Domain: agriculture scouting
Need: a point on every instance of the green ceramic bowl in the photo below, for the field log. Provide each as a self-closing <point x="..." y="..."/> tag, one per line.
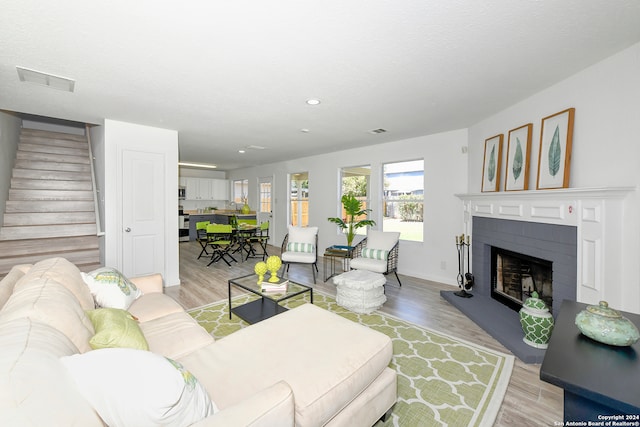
<point x="606" y="325"/>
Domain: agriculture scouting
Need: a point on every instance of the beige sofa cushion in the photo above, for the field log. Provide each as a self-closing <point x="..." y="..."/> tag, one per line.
<point x="175" y="335"/>
<point x="7" y="284"/>
<point x="66" y="274"/>
<point x="270" y="407"/>
<point x="35" y="389"/>
<point x="154" y="305"/>
<point x="328" y="362"/>
<point x="50" y="302"/>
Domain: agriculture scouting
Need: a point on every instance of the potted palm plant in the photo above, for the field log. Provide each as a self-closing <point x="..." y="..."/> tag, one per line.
<point x="353" y="209"/>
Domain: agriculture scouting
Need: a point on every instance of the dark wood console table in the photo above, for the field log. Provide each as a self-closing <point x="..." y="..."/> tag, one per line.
<point x="598" y="380"/>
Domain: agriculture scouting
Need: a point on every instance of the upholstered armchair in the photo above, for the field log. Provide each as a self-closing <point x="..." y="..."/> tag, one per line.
<point x="300" y="246"/>
<point x="378" y="252"/>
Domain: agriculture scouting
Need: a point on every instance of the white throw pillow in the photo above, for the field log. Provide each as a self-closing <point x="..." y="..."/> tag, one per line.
<point x="129" y="387"/>
<point x="382" y="239"/>
<point x="110" y="288"/>
<point x="303" y="234"/>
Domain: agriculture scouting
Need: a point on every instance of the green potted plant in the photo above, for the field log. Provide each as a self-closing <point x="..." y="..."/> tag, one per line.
<point x="353" y="209"/>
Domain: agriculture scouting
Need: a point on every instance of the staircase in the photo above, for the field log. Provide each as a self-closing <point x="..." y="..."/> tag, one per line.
<point x="50" y="210"/>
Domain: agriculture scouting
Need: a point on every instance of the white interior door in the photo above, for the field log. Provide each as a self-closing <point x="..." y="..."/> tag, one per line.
<point x="143" y="199"/>
<point x="265" y="203"/>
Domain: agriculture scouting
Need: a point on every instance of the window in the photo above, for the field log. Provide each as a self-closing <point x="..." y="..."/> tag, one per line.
<point x="403" y="200"/>
<point x="240" y="190"/>
<point x="356" y="180"/>
<point x="265" y="196"/>
<point x="299" y="199"/>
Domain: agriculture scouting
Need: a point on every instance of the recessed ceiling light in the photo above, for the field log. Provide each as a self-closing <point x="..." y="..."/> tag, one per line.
<point x="197" y="165"/>
<point x="305" y="130"/>
<point x="313" y="101"/>
<point x="241" y="151"/>
<point x="45" y="79"/>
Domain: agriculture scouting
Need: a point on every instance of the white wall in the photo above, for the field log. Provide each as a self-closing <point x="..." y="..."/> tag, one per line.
<point x="9" y="138"/>
<point x="606" y="142"/>
<point x="445" y="175"/>
<point x="201" y="173"/>
<point x="119" y="135"/>
<point x="49" y="125"/>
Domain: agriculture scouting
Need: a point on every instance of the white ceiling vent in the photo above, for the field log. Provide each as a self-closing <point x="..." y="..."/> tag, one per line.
<point x="255" y="147"/>
<point x="376" y="131"/>
<point x="45" y="79"/>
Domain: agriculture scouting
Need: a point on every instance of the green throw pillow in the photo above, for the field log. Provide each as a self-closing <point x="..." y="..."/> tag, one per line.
<point x="116" y="328"/>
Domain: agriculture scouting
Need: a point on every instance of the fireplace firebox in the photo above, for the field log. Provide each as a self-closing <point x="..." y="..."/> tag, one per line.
<point x="515" y="276"/>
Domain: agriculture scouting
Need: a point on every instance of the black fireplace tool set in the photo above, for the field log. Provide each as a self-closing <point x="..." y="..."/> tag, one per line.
<point x="465" y="280"/>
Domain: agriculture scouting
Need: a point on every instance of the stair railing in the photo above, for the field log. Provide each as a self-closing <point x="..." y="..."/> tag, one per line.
<point x="99" y="231"/>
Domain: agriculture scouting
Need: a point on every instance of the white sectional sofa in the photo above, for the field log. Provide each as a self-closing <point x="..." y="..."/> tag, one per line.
<point x="305" y="367"/>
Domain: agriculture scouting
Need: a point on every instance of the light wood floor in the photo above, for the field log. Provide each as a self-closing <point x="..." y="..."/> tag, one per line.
<point x="528" y="401"/>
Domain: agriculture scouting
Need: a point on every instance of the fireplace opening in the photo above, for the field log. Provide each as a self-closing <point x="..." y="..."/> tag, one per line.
<point x="515" y="276"/>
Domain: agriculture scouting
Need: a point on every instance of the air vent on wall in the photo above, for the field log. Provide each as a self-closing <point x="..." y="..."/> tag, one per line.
<point x="45" y="79"/>
<point x="376" y="131"/>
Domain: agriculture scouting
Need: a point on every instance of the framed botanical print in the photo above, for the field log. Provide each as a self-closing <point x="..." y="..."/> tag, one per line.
<point x="554" y="159"/>
<point x="491" y="166"/>
<point x="518" y="156"/>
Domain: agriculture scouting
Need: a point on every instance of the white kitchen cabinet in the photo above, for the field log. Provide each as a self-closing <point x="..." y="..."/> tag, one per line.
<point x="206" y="189"/>
<point x="220" y="189"/>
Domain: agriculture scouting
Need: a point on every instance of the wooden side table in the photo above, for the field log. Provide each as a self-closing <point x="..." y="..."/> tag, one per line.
<point x="599" y="380"/>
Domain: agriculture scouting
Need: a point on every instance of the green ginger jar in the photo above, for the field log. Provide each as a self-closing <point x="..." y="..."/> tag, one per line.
<point x="536" y="321"/>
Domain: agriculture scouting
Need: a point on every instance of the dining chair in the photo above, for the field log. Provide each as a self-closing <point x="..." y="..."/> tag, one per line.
<point x="220" y="239"/>
<point x="261" y="237"/>
<point x="201" y="237"/>
<point x="244" y="232"/>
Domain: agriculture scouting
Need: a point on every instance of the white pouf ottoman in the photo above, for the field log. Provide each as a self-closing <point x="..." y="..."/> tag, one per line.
<point x="360" y="291"/>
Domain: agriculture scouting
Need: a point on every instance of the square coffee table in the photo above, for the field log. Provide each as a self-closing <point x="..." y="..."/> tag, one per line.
<point x="269" y="302"/>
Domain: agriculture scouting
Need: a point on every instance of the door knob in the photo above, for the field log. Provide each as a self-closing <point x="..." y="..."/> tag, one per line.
<point x="128" y="230"/>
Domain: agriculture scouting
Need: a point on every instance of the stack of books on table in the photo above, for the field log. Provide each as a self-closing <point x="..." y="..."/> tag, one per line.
<point x="279" y="286"/>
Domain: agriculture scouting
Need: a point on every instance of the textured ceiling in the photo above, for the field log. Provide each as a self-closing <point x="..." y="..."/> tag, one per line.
<point x="230" y="74"/>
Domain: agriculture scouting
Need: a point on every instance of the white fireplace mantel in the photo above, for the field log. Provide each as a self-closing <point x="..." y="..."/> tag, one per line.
<point x="596" y="212"/>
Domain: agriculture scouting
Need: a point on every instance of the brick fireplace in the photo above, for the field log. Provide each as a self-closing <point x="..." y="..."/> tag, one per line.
<point x="576" y="230"/>
<point x="554" y="243"/>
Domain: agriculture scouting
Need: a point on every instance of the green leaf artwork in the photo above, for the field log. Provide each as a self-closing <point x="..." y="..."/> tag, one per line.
<point x="492" y="164"/>
<point x="555" y="152"/>
<point x="517" y="160"/>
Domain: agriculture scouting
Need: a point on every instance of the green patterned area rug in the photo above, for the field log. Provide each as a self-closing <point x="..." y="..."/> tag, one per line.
<point x="442" y="381"/>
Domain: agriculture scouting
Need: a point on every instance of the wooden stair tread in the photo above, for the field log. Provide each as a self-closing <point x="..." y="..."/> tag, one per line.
<point x="17" y="206"/>
<point x="49" y="175"/>
<point x="37" y="156"/>
<point x="21" y="194"/>
<point x="46" y="184"/>
<point x="28" y="147"/>
<point x="49" y="218"/>
<point x="46" y="231"/>
<point x="52" y="166"/>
